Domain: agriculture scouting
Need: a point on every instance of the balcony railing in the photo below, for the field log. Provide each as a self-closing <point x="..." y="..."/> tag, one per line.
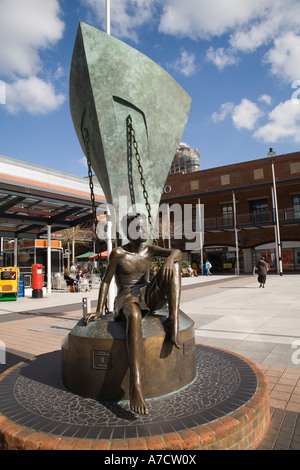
<point x="252" y="219"/>
<point x="286" y="216"/>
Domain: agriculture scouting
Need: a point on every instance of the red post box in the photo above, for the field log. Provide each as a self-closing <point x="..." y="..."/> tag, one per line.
<point x="37" y="280"/>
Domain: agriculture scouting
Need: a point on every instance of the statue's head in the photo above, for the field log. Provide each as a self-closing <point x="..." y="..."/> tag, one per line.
<point x="136" y="226"/>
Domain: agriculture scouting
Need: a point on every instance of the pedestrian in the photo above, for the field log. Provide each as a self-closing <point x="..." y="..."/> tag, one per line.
<point x="262" y="269"/>
<point x="73" y="268"/>
<point x="192" y="272"/>
<point x="208" y="267"/>
<point x="90" y="269"/>
<point x="77" y="280"/>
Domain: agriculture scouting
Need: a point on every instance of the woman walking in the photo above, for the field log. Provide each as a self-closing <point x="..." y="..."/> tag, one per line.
<point x="262" y="269"/>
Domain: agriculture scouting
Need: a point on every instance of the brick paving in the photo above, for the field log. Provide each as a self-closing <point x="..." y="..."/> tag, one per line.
<point x="284" y="393"/>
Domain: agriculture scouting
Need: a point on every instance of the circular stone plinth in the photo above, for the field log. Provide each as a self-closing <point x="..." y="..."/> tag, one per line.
<point x="226" y="406"/>
<point x="95" y="360"/>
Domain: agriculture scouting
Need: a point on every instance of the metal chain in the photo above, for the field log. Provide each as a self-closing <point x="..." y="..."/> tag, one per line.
<point x="133" y="142"/>
<point x="86" y="140"/>
<point x="129" y="162"/>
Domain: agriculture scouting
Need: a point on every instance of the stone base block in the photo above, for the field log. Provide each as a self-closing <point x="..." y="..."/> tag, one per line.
<point x="95" y="363"/>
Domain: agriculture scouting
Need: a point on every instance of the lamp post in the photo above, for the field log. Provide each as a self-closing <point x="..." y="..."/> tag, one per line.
<point x="236" y="235"/>
<point x="272" y="154"/>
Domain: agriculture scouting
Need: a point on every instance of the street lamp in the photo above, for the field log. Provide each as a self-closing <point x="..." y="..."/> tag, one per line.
<point x="236" y="235"/>
<point x="272" y="154"/>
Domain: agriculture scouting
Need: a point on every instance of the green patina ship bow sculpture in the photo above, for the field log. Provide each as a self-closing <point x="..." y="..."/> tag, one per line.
<point x="116" y="91"/>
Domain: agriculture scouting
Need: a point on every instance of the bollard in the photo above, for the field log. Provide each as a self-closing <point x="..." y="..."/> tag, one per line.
<point x="2" y="352"/>
<point x="86" y="306"/>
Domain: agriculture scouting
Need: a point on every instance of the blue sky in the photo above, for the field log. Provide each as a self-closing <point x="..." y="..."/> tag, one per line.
<point x="239" y="60"/>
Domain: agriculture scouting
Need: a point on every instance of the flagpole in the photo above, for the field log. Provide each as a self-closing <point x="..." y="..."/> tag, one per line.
<point x="108" y="16"/>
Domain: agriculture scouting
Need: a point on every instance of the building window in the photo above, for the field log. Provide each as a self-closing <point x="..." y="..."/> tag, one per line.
<point x="258" y="174"/>
<point x="194" y="185"/>
<point x="227" y="214"/>
<point x="225" y="179"/>
<point x="296" y="206"/>
<point x="259" y="210"/>
<point x="294" y="167"/>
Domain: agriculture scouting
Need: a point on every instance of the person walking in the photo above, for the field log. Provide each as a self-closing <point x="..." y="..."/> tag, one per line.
<point x="90" y="269"/>
<point x="208" y="266"/>
<point x="262" y="269"/>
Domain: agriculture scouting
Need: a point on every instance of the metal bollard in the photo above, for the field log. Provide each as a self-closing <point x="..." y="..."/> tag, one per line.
<point x="86" y="306"/>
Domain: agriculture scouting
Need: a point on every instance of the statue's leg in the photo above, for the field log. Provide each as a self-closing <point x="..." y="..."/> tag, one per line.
<point x="134" y="342"/>
<point x="173" y="290"/>
<point x="159" y="291"/>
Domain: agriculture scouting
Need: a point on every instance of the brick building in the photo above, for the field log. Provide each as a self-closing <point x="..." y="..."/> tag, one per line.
<point x="239" y="215"/>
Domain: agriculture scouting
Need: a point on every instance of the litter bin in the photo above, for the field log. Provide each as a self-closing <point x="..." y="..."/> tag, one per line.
<point x="21" y="292"/>
<point x="37" y="281"/>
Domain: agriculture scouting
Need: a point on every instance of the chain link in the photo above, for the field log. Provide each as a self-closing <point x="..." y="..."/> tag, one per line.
<point x="86" y="140"/>
<point x="133" y="142"/>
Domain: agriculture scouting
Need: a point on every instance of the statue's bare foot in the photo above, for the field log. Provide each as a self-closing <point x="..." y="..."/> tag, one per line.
<point x="173" y="327"/>
<point x="88" y="318"/>
<point x="137" y="402"/>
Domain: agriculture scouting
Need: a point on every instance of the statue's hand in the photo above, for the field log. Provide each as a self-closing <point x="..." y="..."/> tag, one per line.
<point x="168" y="270"/>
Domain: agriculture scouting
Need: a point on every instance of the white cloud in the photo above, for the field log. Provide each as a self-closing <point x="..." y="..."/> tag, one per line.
<point x="283" y="123"/>
<point x="244" y="115"/>
<point x="27" y="26"/>
<point x="203" y="20"/>
<point x="250" y="25"/>
<point x="32" y="95"/>
<point x="220" y="58"/>
<point x="284" y="57"/>
<point x="185" y="64"/>
<point x="275" y="19"/>
<point x="267" y="99"/>
<point x="225" y="110"/>
<point x="82" y="161"/>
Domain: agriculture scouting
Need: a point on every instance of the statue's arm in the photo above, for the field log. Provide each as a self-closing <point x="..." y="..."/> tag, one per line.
<point x="104" y="288"/>
<point x="109" y="273"/>
<point x="172" y="256"/>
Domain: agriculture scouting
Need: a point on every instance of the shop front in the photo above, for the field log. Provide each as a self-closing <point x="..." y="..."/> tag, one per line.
<point x="31" y="252"/>
<point x="222" y="259"/>
<point x="290" y="254"/>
